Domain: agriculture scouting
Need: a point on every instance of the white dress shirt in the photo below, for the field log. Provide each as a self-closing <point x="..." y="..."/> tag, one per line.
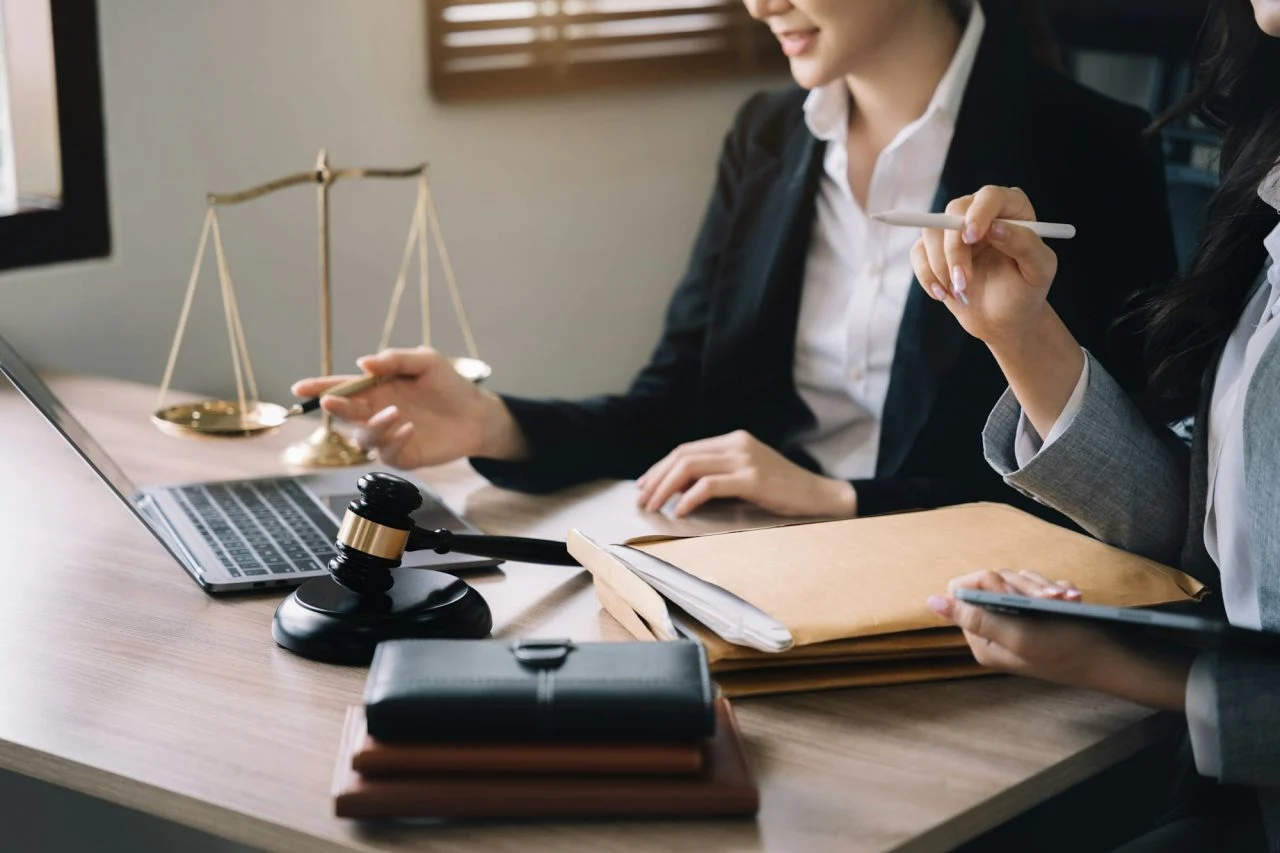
<point x="1226" y="524"/>
<point x="858" y="273"/>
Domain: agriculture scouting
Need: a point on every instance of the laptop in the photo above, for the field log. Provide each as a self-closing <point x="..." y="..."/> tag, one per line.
<point x="239" y="535"/>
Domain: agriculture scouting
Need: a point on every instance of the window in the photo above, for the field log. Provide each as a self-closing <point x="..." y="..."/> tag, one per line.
<point x="53" y="200"/>
<point x="482" y="48"/>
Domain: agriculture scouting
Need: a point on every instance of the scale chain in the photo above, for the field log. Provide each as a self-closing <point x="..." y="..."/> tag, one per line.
<point x="396" y="294"/>
<point x="229" y="309"/>
<point x="424" y="293"/>
<point x="186" y="310"/>
<point x="448" y="271"/>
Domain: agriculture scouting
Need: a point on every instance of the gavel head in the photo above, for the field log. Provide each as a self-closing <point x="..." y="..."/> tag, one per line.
<point x="374" y="533"/>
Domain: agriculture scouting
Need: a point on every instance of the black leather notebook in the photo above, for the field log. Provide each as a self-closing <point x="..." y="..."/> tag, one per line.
<point x="539" y="690"/>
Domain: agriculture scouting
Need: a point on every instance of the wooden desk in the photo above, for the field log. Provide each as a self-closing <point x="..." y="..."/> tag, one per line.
<point x="121" y="679"/>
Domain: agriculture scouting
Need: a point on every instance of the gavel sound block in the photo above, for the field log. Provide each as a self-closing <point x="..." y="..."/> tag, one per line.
<point x="368" y="598"/>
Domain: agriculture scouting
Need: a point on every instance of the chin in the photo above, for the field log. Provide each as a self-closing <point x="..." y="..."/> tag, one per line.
<point x="1267" y="13"/>
<point x="810" y="74"/>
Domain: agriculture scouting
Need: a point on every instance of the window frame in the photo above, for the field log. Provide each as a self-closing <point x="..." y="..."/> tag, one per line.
<point x="79" y="228"/>
<point x="754" y="53"/>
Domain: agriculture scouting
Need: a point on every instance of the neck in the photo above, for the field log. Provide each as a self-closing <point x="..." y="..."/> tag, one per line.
<point x="893" y="86"/>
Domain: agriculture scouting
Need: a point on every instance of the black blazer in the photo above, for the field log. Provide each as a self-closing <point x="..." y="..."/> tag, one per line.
<point x="725" y="360"/>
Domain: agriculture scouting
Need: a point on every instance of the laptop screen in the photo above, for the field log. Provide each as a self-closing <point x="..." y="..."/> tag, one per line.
<point x="31" y="386"/>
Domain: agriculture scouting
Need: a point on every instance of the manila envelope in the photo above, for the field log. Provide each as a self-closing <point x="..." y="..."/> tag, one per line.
<point x="853" y="592"/>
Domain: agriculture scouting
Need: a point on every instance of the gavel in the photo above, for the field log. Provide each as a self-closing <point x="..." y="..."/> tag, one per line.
<point x="368" y="597"/>
<point x="378" y="529"/>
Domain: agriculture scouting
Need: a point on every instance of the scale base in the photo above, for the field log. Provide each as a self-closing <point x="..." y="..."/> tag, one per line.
<point x="326" y="448"/>
<point x="325" y="621"/>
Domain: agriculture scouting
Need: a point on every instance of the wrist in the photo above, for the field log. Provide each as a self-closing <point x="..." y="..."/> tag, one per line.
<point x="500" y="435"/>
<point x="1043" y="364"/>
<point x="1030" y="340"/>
<point x="1154" y="675"/>
<point x="839" y="498"/>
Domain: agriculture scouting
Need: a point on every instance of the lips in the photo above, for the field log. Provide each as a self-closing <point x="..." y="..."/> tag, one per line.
<point x="797" y="42"/>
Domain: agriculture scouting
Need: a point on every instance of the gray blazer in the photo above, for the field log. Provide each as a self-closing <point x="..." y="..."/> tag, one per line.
<point x="1140" y="488"/>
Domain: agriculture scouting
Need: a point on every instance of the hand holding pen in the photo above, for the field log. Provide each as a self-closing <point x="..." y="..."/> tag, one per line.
<point x="348" y="388"/>
<point x="415" y="409"/>
<point x="992" y="270"/>
<point x="1004" y="271"/>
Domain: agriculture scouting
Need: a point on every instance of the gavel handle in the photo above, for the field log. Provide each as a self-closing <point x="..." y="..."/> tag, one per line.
<point x="515" y="548"/>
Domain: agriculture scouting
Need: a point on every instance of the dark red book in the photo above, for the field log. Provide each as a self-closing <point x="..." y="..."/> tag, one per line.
<point x="723" y="788"/>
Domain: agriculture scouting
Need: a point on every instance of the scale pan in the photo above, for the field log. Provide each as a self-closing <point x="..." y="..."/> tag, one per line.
<point x="219" y="419"/>
<point x="472" y="368"/>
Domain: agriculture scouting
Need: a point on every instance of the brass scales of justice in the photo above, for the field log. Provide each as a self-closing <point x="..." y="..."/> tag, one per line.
<point x="247" y="415"/>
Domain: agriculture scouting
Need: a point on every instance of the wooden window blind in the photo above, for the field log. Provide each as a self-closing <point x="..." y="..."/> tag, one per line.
<point x="481" y="48"/>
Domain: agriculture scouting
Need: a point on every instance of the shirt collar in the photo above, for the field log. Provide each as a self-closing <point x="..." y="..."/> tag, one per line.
<point x="1270" y="193"/>
<point x="1272" y="242"/>
<point x="826" y="110"/>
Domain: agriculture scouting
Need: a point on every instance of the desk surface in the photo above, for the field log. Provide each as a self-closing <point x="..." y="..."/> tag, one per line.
<point x="123" y="680"/>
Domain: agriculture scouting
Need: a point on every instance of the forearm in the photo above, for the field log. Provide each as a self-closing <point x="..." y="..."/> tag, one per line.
<point x="1042" y="367"/>
<point x="1154" y="675"/>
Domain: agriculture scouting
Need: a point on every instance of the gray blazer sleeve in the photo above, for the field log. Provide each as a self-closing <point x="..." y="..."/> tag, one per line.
<point x="1111" y="472"/>
<point x="1127" y="483"/>
<point x="1248" y="694"/>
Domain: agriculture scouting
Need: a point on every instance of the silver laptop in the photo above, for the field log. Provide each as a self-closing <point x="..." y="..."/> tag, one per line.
<point x="236" y="535"/>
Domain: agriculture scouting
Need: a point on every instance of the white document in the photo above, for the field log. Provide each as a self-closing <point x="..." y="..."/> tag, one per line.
<point x="726" y="615"/>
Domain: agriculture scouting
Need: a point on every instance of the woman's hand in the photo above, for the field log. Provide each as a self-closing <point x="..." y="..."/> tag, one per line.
<point x="428" y="414"/>
<point x="1002" y="271"/>
<point x="738" y="465"/>
<point x="1062" y="651"/>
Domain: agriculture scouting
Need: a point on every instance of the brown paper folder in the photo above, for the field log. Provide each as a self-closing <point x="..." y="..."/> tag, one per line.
<point x="851" y="592"/>
<point x="374" y="759"/>
<point x="724" y="789"/>
<point x="768" y="682"/>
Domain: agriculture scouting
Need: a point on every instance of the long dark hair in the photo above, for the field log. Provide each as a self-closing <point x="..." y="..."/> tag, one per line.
<point x="1236" y="95"/>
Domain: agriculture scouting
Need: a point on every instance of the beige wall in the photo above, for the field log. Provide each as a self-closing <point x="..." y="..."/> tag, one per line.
<point x="568" y="219"/>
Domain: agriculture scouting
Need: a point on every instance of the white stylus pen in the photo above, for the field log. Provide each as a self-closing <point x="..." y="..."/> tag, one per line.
<point x="953" y="222"/>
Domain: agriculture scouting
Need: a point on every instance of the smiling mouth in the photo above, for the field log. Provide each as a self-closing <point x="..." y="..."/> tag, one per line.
<point x="797" y="42"/>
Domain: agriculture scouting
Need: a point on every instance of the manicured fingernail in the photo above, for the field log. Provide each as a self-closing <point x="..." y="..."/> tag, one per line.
<point x="940" y="605"/>
<point x="938" y="293"/>
<point x="960" y="283"/>
<point x="1053" y="590"/>
<point x="999" y="231"/>
<point x="970" y="234"/>
<point x="1073" y="593"/>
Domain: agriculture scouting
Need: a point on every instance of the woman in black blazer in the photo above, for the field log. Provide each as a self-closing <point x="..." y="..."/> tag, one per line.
<point x="800" y="368"/>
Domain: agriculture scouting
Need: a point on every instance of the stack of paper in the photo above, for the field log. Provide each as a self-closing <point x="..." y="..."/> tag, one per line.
<point x="842" y="603"/>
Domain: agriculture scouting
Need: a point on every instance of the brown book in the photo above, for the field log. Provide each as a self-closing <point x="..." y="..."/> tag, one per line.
<point x="376" y="759"/>
<point x="724" y="788"/>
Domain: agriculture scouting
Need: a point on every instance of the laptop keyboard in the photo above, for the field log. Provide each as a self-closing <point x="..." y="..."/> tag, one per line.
<point x="260" y="527"/>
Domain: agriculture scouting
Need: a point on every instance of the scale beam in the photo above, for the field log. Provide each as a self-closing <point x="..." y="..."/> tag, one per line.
<point x="316" y="176"/>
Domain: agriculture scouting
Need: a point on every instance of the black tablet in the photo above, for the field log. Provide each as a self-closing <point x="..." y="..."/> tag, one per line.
<point x="1196" y="631"/>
